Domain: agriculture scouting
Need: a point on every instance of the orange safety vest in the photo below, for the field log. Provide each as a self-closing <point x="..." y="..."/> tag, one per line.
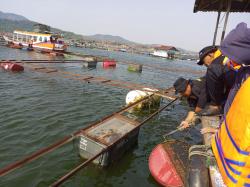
<point x="231" y="64"/>
<point x="231" y="144"/>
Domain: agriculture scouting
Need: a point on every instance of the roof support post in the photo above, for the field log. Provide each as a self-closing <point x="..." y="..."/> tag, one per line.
<point x="216" y="28"/>
<point x="226" y="19"/>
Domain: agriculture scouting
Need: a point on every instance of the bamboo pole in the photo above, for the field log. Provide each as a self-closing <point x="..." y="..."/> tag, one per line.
<point x="84" y="164"/>
<point x="13" y="166"/>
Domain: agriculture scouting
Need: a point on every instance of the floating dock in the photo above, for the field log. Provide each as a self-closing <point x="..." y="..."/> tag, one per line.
<point x="214" y="122"/>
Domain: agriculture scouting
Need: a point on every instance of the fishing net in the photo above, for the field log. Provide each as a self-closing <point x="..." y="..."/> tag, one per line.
<point x="178" y="153"/>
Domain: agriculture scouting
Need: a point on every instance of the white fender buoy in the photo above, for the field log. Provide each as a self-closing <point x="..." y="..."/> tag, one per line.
<point x="136" y="95"/>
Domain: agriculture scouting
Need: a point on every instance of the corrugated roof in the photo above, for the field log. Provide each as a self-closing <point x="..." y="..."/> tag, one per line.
<point x="216" y="5"/>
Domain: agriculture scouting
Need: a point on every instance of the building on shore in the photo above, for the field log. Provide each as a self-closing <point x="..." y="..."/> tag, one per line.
<point x="165" y="51"/>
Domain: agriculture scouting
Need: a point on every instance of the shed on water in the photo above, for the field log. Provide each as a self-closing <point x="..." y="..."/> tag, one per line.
<point x="221" y="6"/>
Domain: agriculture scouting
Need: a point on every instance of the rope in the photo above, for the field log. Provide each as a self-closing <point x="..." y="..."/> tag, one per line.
<point x="206" y="147"/>
<point x="200" y="153"/>
<point x="204" y="152"/>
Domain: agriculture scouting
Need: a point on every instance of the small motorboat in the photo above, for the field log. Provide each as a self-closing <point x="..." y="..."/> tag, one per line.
<point x="30" y="49"/>
<point x="14" y="46"/>
<point x="10" y="66"/>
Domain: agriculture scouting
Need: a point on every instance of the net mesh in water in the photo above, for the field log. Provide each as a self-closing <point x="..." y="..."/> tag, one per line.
<point x="178" y="152"/>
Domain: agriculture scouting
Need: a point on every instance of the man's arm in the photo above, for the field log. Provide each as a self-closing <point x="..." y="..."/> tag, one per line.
<point x="189" y="120"/>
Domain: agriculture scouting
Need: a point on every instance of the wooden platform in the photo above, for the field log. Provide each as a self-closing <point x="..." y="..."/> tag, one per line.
<point x="212" y="121"/>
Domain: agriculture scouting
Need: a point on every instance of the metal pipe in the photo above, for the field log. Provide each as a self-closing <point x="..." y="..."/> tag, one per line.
<point x="11" y="167"/>
<point x="82" y="165"/>
<point x="122" y="62"/>
<point x="216" y="28"/>
<point x="76" y="169"/>
<point x="67" y="139"/>
<point x="103" y="80"/>
<point x="226" y="19"/>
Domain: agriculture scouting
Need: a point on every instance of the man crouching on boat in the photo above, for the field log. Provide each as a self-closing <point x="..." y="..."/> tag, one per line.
<point x="195" y="92"/>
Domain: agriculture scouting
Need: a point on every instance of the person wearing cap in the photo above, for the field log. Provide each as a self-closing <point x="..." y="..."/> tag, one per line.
<point x="195" y="92"/>
<point x="219" y="77"/>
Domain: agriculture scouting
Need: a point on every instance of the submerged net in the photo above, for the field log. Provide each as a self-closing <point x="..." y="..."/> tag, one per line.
<point x="178" y="152"/>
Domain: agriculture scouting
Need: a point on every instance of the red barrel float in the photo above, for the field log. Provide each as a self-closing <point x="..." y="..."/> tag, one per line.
<point x="109" y="63"/>
<point x="10" y="66"/>
<point x="163" y="169"/>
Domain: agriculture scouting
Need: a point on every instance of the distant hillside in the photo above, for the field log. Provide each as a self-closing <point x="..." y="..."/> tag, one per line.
<point x="16" y="22"/>
<point x="13" y="17"/>
<point x="184" y="51"/>
<point x="10" y="22"/>
<point x="111" y="38"/>
<point x="10" y="25"/>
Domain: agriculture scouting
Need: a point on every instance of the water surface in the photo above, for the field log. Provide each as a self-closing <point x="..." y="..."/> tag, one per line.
<point x="37" y="110"/>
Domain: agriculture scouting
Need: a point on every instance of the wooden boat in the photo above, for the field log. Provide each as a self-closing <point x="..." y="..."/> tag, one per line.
<point x="39" y="41"/>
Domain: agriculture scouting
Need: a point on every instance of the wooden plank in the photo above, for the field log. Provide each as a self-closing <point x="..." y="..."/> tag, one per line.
<point x="210" y="121"/>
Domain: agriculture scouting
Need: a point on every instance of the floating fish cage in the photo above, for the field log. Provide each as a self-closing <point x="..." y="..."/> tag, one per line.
<point x="118" y="131"/>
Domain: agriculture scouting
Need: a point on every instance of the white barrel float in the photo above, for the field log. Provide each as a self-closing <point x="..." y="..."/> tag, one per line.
<point x="136" y="95"/>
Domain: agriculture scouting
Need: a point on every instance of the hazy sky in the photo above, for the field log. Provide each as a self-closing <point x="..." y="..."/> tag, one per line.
<point x="145" y="21"/>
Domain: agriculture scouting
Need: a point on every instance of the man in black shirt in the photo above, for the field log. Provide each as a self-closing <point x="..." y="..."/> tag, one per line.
<point x="195" y="92"/>
<point x="219" y="77"/>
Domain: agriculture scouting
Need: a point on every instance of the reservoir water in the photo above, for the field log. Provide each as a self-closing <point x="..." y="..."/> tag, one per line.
<point x="37" y="110"/>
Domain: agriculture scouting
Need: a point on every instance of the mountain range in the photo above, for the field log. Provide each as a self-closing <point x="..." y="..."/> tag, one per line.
<point x="10" y="22"/>
<point x="12" y="17"/>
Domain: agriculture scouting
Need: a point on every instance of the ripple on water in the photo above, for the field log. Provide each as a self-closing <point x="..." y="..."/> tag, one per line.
<point x="37" y="110"/>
